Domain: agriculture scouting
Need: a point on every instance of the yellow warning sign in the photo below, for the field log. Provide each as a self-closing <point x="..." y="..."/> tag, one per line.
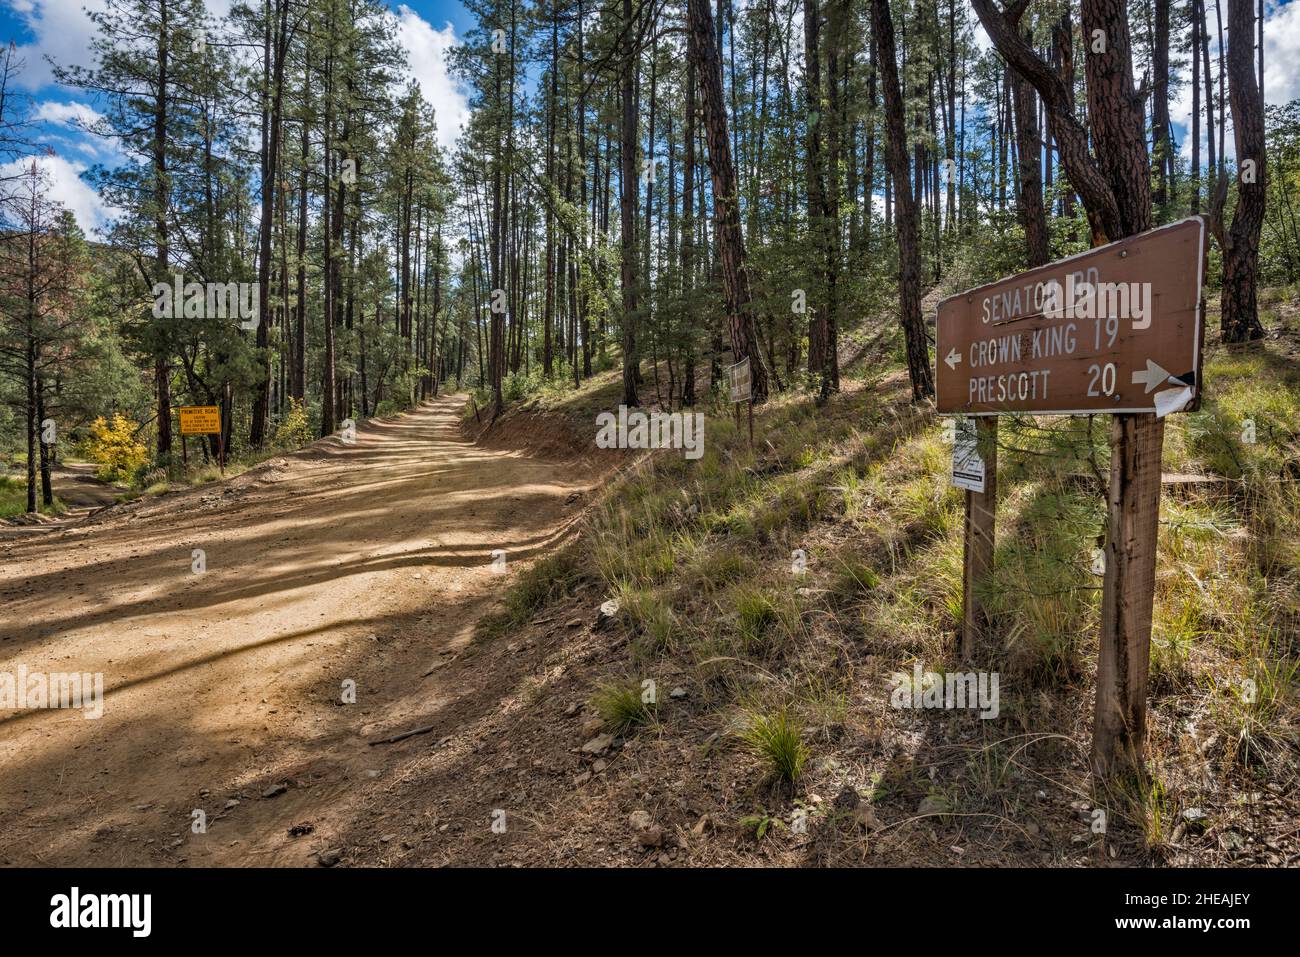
<point x="200" y="419"/>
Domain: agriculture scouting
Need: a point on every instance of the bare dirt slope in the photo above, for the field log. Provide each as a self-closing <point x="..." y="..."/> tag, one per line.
<point x="369" y="563"/>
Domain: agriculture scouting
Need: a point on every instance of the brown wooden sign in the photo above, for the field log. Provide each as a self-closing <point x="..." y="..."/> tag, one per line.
<point x="1115" y="329"/>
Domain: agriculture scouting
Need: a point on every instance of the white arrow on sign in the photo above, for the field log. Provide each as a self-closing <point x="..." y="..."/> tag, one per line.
<point x="952" y="358"/>
<point x="1153" y="378"/>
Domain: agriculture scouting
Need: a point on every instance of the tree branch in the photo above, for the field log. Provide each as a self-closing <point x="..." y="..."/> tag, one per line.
<point x="1071" y="138"/>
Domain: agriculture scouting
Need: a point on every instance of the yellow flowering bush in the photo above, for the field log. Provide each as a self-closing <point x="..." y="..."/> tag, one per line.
<point x="115" y="447"/>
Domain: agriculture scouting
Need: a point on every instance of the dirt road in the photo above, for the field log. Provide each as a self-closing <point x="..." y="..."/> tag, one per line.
<point x="224" y="688"/>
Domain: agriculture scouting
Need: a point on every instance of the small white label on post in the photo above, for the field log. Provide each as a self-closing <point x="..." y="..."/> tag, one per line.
<point x="967" y="465"/>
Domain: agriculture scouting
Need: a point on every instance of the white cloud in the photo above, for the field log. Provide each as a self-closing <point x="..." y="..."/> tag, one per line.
<point x="1281" y="82"/>
<point x="76" y="115"/>
<point x="76" y="118"/>
<point x="1282" y="53"/>
<point x="61" y="29"/>
<point x="67" y="188"/>
<point x="427" y="51"/>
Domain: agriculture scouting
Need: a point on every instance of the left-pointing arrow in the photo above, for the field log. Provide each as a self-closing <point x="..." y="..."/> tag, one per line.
<point x="952" y="358"/>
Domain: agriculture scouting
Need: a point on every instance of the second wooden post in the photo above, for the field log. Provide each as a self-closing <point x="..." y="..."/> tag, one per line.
<point x="978" y="541"/>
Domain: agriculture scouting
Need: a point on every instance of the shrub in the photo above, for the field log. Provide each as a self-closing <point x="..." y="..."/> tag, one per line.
<point x="115" y="447"/>
<point x="294" y="430"/>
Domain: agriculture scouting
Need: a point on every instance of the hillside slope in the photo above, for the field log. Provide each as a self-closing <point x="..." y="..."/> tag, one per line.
<point x="756" y="667"/>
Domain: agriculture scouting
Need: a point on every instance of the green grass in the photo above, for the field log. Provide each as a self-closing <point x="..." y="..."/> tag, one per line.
<point x="715" y="568"/>
<point x="1148" y="804"/>
<point x="625" y="705"/>
<point x="755" y="613"/>
<point x="1250" y="708"/>
<point x="699" y="555"/>
<point x="13" y="498"/>
<point x="776" y="738"/>
<point x="854" y="578"/>
<point x="651" y="617"/>
<point x="533" y="589"/>
<point x="764" y="620"/>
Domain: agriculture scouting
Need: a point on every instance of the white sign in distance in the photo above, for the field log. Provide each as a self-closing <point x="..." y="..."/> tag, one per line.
<point x="738" y="381"/>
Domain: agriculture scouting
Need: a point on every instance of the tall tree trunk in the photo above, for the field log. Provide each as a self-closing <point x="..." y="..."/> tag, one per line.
<point x="726" y="199"/>
<point x="1117" y="118"/>
<point x="1212" y="164"/>
<point x="627" y="210"/>
<point x="581" y="242"/>
<point x="47" y="491"/>
<point x="1193" y="15"/>
<point x="688" y="231"/>
<point x="1240" y="318"/>
<point x="328" y="397"/>
<point x="1033" y="215"/>
<point x="1162" y="145"/>
<point x="548" y="306"/>
<point x="437" y="354"/>
<point x="270" y="176"/>
<point x="909" y="261"/>
<point x="299" y="387"/>
<point x="816" y="180"/>
<point x="950" y="129"/>
<point x="162" y="201"/>
<point x="33" y="423"/>
<point x="837" y="25"/>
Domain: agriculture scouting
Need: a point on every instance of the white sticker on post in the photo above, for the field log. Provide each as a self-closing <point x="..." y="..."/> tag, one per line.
<point x="967" y="464"/>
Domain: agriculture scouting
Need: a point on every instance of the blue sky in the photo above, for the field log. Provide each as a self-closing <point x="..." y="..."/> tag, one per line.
<point x="60" y="29"/>
<point x="427" y="29"/>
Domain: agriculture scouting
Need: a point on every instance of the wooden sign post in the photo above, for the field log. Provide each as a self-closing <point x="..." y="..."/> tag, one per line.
<point x="738" y="390"/>
<point x="1116" y="329"/>
<point x="976" y="439"/>
<point x="204" y="420"/>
